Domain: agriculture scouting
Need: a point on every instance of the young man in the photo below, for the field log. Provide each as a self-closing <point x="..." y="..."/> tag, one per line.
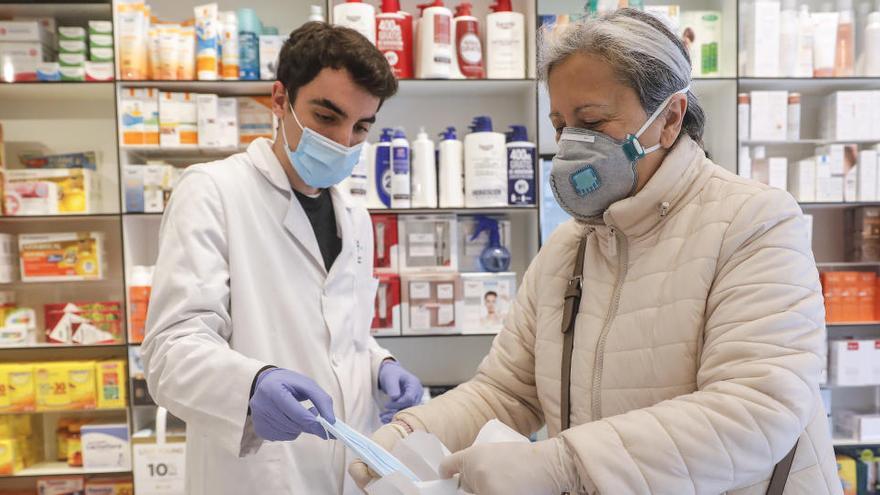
<point x="263" y="293"/>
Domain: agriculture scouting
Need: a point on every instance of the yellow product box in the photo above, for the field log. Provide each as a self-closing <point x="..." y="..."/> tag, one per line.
<point x="847" y="472"/>
<point x="51" y="384"/>
<point x="5" y="396"/>
<point x="111" y="486"/>
<point x="16" y="426"/>
<point x="81" y="385"/>
<point x="19" y="380"/>
<point x="69" y="191"/>
<point x="110" y="382"/>
<point x="69" y="256"/>
<point x="10" y="461"/>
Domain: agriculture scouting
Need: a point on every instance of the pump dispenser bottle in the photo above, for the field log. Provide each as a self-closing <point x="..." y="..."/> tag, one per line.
<point x="434" y="46"/>
<point x="468" y="47"/>
<point x="505" y="43"/>
<point x="450" y="156"/>
<point x="401" y="192"/>
<point x="485" y="166"/>
<point x="357" y="15"/>
<point x="394" y="38"/>
<point x="521" y="165"/>
<point x="381" y="170"/>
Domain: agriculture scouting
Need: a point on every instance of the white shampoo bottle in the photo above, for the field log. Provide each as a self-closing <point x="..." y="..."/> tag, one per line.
<point x="358" y="16"/>
<point x="450" y="155"/>
<point x="401" y="195"/>
<point x="434" y="42"/>
<point x="485" y="165"/>
<point x="505" y="43"/>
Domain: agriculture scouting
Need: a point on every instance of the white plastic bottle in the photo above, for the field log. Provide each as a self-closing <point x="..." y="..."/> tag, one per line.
<point x="485" y="165"/>
<point x="356" y="183"/>
<point x="424" y="172"/>
<point x="358" y="16"/>
<point x="804" y="43"/>
<point x="450" y="156"/>
<point x="788" y="39"/>
<point x="521" y="167"/>
<point x="401" y="196"/>
<point x="434" y="46"/>
<point x="872" y="45"/>
<point x="316" y="13"/>
<point x="379" y="172"/>
<point x="229" y="46"/>
<point x="505" y="43"/>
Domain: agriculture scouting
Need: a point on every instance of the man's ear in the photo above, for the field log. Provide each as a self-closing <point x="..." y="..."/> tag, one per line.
<point x="673" y="120"/>
<point x="279" y="99"/>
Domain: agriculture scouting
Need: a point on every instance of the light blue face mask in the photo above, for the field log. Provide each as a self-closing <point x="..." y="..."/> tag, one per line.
<point x="320" y="161"/>
<point x="373" y="455"/>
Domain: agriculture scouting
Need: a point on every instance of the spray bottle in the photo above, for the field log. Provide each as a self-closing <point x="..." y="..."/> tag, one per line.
<point x="495" y="258"/>
<point x="521" y="165"/>
<point x="424" y="172"/>
<point x="401" y="196"/>
<point x="450" y="157"/>
<point x="380" y="186"/>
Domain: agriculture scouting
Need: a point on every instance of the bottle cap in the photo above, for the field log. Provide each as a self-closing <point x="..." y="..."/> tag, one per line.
<point x="435" y="3"/>
<point x="390" y="6"/>
<point x="517" y="133"/>
<point x="422" y="134"/>
<point x="248" y="22"/>
<point x="464" y="9"/>
<point x="482" y="123"/>
<point x="874" y="18"/>
<point x="316" y="11"/>
<point x="385" y="137"/>
<point x="399" y="134"/>
<point x="449" y="133"/>
<point x="501" y="6"/>
<point x="270" y="30"/>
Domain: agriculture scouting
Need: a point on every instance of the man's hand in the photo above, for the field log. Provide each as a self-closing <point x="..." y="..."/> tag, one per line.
<point x="404" y="388"/>
<point x="276" y="410"/>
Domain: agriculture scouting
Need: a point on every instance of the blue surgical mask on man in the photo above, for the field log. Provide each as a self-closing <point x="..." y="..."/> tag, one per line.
<point x="318" y="160"/>
<point x="591" y="170"/>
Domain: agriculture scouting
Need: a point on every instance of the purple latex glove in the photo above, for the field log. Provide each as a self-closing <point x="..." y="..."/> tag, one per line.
<point x="403" y="388"/>
<point x="276" y="410"/>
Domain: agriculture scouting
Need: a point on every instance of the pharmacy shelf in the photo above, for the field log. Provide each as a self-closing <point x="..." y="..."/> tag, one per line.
<point x="464" y="211"/>
<point x="72" y="216"/>
<point x="849" y="442"/>
<point x="833" y="386"/>
<point x="180" y="151"/>
<point x="224" y="88"/>
<point x="853" y="324"/>
<point x="60" y="469"/>
<point x="848" y="264"/>
<point x="837" y="205"/>
<point x="67" y="283"/>
<point x="56" y="91"/>
<point x="66" y="12"/>
<point x="807" y="142"/>
<point x="814" y="86"/>
<point x="69" y="411"/>
<point x="435" y="335"/>
<point x="44" y="346"/>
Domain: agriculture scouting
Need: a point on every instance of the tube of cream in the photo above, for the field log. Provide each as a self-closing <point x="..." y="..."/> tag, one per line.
<point x="186" y="55"/>
<point x="207" y="28"/>
<point x="169" y="49"/>
<point x="153" y="56"/>
<point x="824" y="43"/>
<point x="131" y="20"/>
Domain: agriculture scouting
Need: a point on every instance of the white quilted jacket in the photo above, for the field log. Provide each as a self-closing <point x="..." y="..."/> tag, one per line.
<point x="698" y="345"/>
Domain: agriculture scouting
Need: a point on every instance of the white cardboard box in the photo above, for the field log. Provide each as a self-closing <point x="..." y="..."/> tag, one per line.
<point x="106" y="446"/>
<point x="769" y="115"/>
<point x="868" y="176"/>
<point x="846" y="362"/>
<point x="227" y="120"/>
<point x="861" y="427"/>
<point x="208" y="120"/>
<point x="778" y="173"/>
<point x="802" y="180"/>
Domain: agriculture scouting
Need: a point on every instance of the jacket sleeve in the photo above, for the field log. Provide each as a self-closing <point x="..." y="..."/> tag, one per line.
<point x="757" y="377"/>
<point x="189" y="366"/>
<point x="503" y="388"/>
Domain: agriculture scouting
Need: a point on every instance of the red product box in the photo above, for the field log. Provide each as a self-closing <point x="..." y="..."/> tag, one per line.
<point x="386" y="243"/>
<point x="86" y="323"/>
<point x="386" y="317"/>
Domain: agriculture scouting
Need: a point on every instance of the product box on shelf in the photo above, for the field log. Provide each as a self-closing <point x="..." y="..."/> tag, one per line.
<point x="472" y="241"/>
<point x="99" y="70"/>
<point x="849" y="115"/>
<point x="386" y="317"/>
<point x="227" y="122"/>
<point x="140" y="394"/>
<point x="51" y="191"/>
<point x="386" y="253"/>
<point x="769" y="115"/>
<point x="139" y="117"/>
<point x="862" y="234"/>
<point x="208" y="124"/>
<point x="802" y="180"/>
<point x="429" y="243"/>
<point x="11" y="460"/>
<point x="850" y="362"/>
<point x="109" y="486"/>
<point x="486" y="300"/>
<point x="85" y="323"/>
<point x="111" y="384"/>
<point x="861" y="427"/>
<point x="106" y="446"/>
<point x="65" y="385"/>
<point x="255" y="118"/>
<point x="270" y="48"/>
<point x="702" y="32"/>
<point x="148" y="187"/>
<point x="79" y="160"/>
<point x="61" y="257"/>
<point x="178" y="120"/>
<point x="20" y="387"/>
<point x="31" y="30"/>
<point x="429" y="303"/>
<point x="61" y="485"/>
<point x="25" y="53"/>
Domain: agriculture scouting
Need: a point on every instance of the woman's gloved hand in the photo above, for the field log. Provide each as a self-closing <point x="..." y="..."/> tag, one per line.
<point x="276" y="410"/>
<point x="541" y="468"/>
<point x="386" y="436"/>
<point x="402" y="387"/>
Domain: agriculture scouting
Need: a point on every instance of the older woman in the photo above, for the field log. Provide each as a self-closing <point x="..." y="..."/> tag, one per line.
<point x="671" y="334"/>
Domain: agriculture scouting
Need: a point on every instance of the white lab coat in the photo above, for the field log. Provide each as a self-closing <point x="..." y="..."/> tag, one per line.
<point x="239" y="284"/>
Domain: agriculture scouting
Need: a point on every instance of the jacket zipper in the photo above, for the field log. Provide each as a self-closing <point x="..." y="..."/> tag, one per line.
<point x="622" y="268"/>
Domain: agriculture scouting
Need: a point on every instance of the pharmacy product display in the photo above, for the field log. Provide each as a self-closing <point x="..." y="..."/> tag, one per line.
<point x="41" y="50"/>
<point x="701" y="31"/>
<point x="53" y="184"/>
<point x="441" y="274"/>
<point x="785" y="39"/>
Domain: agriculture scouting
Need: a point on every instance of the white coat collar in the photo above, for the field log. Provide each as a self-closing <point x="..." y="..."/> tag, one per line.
<point x="295" y="220"/>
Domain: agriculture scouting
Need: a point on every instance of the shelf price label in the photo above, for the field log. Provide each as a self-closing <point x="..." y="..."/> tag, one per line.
<point x="160" y="469"/>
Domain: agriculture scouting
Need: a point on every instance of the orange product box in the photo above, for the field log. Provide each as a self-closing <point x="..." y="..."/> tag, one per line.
<point x="850" y="296"/>
<point x="831" y="289"/>
<point x="866" y="295"/>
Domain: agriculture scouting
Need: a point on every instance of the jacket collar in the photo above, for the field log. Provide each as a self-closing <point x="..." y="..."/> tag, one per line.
<point x="264" y="159"/>
<point x="682" y="173"/>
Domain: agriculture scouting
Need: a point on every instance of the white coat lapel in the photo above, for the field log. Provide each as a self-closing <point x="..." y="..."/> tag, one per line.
<point x="345" y="228"/>
<point x="295" y="220"/>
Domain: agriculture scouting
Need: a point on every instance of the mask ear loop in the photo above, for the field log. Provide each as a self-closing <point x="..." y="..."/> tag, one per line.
<point x="633" y="148"/>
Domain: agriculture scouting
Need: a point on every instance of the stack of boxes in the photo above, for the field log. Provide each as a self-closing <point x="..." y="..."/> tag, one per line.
<point x="430" y="277"/>
<point x="854" y="363"/>
<point x="54" y="185"/>
<point x="86" y="54"/>
<point x="100" y="64"/>
<point x="8" y="258"/>
<point x="148" y="187"/>
<point x="850" y="296"/>
<point x="72" y="53"/>
<point x="20" y="443"/>
<point x="26" y="45"/>
<point x="63" y="386"/>
<point x="62" y="257"/>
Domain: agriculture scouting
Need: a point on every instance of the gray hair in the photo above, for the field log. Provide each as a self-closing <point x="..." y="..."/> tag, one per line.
<point x="644" y="53"/>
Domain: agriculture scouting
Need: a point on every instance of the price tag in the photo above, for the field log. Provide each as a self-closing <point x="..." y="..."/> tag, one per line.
<point x="160" y="469"/>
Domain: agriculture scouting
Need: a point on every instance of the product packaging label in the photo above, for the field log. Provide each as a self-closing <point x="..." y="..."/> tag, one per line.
<point x="521" y="162"/>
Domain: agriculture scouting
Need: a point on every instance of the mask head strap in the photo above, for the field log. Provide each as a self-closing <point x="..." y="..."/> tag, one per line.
<point x="633" y="148"/>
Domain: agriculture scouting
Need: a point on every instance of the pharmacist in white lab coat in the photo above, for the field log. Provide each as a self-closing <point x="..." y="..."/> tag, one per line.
<point x="264" y="292"/>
